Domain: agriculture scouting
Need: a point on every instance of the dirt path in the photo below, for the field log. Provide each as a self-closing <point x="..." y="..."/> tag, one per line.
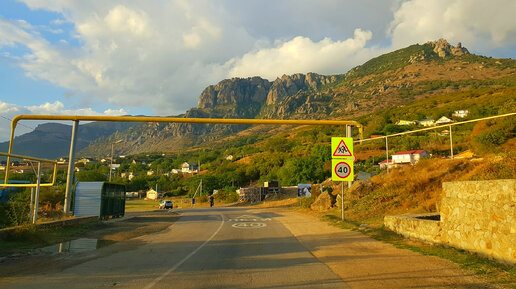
<point x="366" y="263"/>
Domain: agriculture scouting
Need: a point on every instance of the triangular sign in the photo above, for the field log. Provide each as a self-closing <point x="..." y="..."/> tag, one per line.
<point x="342" y="150"/>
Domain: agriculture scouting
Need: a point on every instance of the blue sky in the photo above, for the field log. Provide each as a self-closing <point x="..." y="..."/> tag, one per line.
<point x="155" y="57"/>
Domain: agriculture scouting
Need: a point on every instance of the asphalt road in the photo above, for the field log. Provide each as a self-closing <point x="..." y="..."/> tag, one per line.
<point x="205" y="248"/>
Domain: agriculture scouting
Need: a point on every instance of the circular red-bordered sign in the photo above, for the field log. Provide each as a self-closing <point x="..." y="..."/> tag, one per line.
<point x="342" y="170"/>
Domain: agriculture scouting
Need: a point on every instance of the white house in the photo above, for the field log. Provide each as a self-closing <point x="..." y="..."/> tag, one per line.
<point x="152" y="195"/>
<point x="427" y="122"/>
<point x="188" y="168"/>
<point x="462" y="113"/>
<point x="443" y="120"/>
<point x="150" y="173"/>
<point x="405" y="122"/>
<point x="409" y="157"/>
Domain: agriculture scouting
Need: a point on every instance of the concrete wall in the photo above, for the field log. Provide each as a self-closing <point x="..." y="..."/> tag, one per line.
<point x="479" y="216"/>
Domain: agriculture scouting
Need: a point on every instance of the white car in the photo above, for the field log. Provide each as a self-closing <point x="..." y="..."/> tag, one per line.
<point x="165" y="205"/>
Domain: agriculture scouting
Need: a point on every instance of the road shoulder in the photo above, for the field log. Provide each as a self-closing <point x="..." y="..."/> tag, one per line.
<point x="363" y="262"/>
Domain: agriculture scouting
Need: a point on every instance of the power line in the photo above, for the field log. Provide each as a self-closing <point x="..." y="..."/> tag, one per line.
<point x="9" y="119"/>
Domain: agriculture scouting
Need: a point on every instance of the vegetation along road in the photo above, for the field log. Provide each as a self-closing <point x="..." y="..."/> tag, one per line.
<point x="238" y="247"/>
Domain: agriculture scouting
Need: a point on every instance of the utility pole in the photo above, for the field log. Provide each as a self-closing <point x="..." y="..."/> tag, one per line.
<point x="451" y="143"/>
<point x="111" y="165"/>
<point x="71" y="168"/>
<point x="387" y="152"/>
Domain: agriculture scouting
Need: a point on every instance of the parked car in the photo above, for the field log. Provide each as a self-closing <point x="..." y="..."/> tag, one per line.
<point x="165" y="204"/>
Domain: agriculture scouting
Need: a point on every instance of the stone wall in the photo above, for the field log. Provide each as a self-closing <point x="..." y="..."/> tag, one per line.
<point x="478" y="216"/>
<point x="415" y="227"/>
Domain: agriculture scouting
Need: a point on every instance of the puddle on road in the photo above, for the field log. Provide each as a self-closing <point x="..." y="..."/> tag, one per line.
<point x="76" y="246"/>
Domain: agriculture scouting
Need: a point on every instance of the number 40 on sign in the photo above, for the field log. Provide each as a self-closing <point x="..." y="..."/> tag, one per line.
<point x="342" y="170"/>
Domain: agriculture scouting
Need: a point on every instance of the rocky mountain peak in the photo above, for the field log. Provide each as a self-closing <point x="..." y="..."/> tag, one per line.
<point x="235" y="91"/>
<point x="288" y="85"/>
<point x="443" y="48"/>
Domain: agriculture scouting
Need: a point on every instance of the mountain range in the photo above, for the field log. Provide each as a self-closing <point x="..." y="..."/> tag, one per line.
<point x="394" y="79"/>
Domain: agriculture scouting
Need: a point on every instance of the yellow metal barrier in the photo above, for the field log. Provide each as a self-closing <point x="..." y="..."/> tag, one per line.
<point x="54" y="175"/>
<point x="15" y="120"/>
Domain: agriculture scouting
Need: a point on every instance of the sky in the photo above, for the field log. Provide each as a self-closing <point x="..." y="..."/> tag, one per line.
<point x="129" y="57"/>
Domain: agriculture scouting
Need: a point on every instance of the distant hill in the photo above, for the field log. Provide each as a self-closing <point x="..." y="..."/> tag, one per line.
<point x="52" y="140"/>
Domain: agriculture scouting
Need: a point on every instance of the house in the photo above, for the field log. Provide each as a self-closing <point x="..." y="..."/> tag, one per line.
<point x="62" y="161"/>
<point x="150" y="173"/>
<point x="175" y="171"/>
<point x="152" y="195"/>
<point x="462" y="113"/>
<point x="188" y="168"/>
<point x="467" y="154"/>
<point x="384" y="164"/>
<point x="114" y="166"/>
<point x="405" y="122"/>
<point x="409" y="157"/>
<point x="85" y="160"/>
<point x="103" y="160"/>
<point x="427" y="122"/>
<point x="229" y="157"/>
<point x="443" y="120"/>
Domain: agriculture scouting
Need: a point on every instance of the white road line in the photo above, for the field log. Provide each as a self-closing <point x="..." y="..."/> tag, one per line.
<point x="155" y="281"/>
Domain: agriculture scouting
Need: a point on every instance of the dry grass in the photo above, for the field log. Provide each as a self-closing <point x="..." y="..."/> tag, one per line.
<point x="418" y="189"/>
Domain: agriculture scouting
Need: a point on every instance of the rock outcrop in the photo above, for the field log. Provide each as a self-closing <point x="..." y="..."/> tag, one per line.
<point x="324" y="202"/>
<point x="235" y="91"/>
<point x="443" y="48"/>
<point x="289" y="85"/>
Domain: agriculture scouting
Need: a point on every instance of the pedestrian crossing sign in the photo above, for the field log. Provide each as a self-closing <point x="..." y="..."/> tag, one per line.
<point x="342" y="147"/>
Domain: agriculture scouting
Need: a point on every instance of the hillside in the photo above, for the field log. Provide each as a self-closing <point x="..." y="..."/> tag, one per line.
<point x="391" y="80"/>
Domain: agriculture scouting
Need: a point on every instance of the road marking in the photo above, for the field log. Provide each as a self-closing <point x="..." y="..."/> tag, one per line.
<point x="249" y="225"/>
<point x="155" y="281"/>
<point x="250" y="220"/>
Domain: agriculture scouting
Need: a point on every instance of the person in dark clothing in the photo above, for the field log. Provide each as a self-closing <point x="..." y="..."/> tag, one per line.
<point x="211" y="200"/>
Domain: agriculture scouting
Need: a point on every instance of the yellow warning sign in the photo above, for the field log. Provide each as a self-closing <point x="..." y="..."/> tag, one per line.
<point x="342" y="170"/>
<point x="342" y="147"/>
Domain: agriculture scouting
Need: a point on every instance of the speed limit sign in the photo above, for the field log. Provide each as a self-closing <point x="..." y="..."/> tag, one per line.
<point x="342" y="170"/>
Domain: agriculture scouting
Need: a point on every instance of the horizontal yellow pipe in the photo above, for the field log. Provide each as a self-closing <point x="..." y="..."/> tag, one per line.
<point x="183" y="120"/>
<point x="26" y="185"/>
<point x="27" y="158"/>
<point x="17" y="118"/>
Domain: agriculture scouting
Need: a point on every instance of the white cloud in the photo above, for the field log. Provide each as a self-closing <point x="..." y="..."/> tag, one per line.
<point x="301" y="55"/>
<point x="480" y="25"/>
<point x="161" y="54"/>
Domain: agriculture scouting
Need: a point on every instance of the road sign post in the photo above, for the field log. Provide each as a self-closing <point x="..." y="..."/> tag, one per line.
<point x="342" y="162"/>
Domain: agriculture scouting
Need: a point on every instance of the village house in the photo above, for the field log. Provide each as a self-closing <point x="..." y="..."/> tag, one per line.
<point x="427" y="122"/>
<point x="443" y="120"/>
<point x="404" y="158"/>
<point x="405" y="122"/>
<point x="152" y="195"/>
<point x="85" y="160"/>
<point x="462" y="113"/>
<point x="188" y="168"/>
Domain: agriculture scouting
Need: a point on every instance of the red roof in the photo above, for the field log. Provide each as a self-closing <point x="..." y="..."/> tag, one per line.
<point x="385" y="161"/>
<point x="416" y="152"/>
